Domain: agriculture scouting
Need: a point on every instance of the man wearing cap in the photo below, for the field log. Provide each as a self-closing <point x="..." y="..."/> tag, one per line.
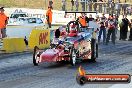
<point x="49" y="16"/>
<point x="3" y="22"/>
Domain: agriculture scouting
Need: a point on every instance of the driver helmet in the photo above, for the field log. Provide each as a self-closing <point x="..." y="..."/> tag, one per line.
<point x="72" y="26"/>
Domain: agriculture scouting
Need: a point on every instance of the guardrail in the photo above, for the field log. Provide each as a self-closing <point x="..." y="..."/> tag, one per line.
<point x="100" y="7"/>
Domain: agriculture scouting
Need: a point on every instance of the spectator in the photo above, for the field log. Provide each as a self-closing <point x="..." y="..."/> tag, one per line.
<point x="95" y="5"/>
<point x="83" y="3"/>
<point x="64" y="5"/>
<point x="124" y="30"/>
<point x="109" y="1"/>
<point x="124" y="6"/>
<point x="3" y="22"/>
<point x="77" y="5"/>
<point x="121" y="24"/>
<point x="51" y="3"/>
<point x="100" y="6"/>
<point x="111" y="6"/>
<point x="129" y="10"/>
<point x="89" y="3"/>
<point x="105" y="7"/>
<point x="72" y="3"/>
<point x="49" y="16"/>
<point x="117" y="8"/>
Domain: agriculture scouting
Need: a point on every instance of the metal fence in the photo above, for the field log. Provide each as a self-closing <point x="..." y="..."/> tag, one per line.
<point x="73" y="5"/>
<point x="109" y="7"/>
<point x="100" y="7"/>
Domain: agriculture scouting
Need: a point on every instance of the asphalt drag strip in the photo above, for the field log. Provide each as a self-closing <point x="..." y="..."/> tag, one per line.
<point x="17" y="71"/>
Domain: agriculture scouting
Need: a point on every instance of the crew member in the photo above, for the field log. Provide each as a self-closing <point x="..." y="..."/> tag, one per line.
<point x="57" y="33"/>
<point x="102" y="28"/>
<point x="83" y="21"/>
<point x="111" y="31"/>
<point x="116" y="23"/>
<point x="3" y="22"/>
<point x="49" y="16"/>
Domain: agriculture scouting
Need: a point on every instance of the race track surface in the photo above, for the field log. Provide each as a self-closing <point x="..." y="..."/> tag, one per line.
<point x="18" y="71"/>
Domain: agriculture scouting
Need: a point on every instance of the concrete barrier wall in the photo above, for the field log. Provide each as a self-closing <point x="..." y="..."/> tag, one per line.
<point x="11" y="45"/>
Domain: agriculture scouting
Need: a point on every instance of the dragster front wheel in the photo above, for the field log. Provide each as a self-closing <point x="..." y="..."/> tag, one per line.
<point x="36" y="55"/>
<point x="72" y="56"/>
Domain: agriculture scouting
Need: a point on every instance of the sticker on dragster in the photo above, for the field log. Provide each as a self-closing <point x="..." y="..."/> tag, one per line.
<point x="83" y="78"/>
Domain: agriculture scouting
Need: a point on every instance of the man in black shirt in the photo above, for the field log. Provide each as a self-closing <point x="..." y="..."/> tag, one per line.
<point x="125" y="28"/>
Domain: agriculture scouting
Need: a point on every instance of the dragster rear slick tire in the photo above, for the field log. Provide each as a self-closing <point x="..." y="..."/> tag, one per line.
<point x="34" y="56"/>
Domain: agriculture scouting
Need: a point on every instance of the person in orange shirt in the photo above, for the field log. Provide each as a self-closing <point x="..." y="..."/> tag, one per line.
<point x="49" y="16"/>
<point x="83" y="20"/>
<point x="3" y="22"/>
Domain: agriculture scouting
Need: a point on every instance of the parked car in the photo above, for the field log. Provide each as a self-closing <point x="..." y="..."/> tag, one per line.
<point x="26" y="21"/>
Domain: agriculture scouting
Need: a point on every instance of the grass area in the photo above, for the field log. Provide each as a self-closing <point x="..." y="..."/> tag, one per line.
<point x="38" y="3"/>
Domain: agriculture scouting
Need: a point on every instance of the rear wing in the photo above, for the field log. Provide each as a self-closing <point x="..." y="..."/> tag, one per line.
<point x="80" y="12"/>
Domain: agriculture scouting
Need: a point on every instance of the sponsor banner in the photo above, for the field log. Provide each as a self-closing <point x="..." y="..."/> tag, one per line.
<point x="40" y="38"/>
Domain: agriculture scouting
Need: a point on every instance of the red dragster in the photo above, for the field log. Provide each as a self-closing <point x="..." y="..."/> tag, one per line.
<point x="74" y="43"/>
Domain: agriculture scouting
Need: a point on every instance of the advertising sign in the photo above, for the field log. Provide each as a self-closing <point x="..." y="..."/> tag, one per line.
<point x="40" y="38"/>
